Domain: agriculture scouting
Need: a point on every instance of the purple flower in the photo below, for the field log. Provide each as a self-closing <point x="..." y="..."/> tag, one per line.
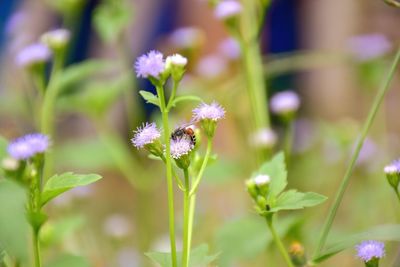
<point x="393" y="167"/>
<point x="285" y="102"/>
<point x="213" y="112"/>
<point x="145" y="135"/>
<point x="34" y="53"/>
<point x="211" y="66"/>
<point x="180" y="147"/>
<point x="186" y="37"/>
<point x="28" y="146"/>
<point x="370" y="249"/>
<point x="227" y="9"/>
<point x="369" y="46"/>
<point x="150" y="65"/>
<point x="230" y="48"/>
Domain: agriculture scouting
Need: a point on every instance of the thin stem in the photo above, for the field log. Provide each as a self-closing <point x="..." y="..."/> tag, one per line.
<point x="202" y="168"/>
<point x="177" y="179"/>
<point x="36" y="249"/>
<point x="191" y="217"/>
<point x="288" y="140"/>
<point x="173" y="93"/>
<point x="371" y="115"/>
<point x="168" y="162"/>
<point x="278" y="242"/>
<point x="186" y="216"/>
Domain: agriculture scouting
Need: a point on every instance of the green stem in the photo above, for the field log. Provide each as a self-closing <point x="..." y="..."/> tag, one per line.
<point x="191" y="217"/>
<point x="372" y="113"/>
<point x="288" y="140"/>
<point x="278" y="242"/>
<point x="186" y="216"/>
<point x="173" y="93"/>
<point x="48" y="109"/>
<point x="397" y="194"/>
<point x="177" y="180"/>
<point x="168" y="161"/>
<point x="202" y="168"/>
<point x="36" y="249"/>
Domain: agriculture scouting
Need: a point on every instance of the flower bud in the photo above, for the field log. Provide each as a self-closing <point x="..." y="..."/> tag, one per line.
<point x="392" y="172"/>
<point x="57" y="40"/>
<point x="297" y="254"/>
<point x="175" y="64"/>
<point x="285" y="105"/>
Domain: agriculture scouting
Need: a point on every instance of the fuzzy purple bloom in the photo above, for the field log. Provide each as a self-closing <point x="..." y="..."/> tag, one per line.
<point x="230" y="48"/>
<point x="369" y="46"/>
<point x="367" y="250"/>
<point x="186" y="37"/>
<point x="28" y="146"/>
<point x="145" y="135"/>
<point x="227" y="9"/>
<point x="180" y="147"/>
<point x="150" y="65"/>
<point x="213" y="112"/>
<point x="285" y="102"/>
<point x="393" y="167"/>
<point x="35" y="53"/>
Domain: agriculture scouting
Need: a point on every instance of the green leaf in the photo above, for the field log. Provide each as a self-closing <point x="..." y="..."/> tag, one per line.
<point x="80" y="72"/>
<point x="292" y="200"/>
<point x="58" y="184"/>
<point x="388" y="232"/>
<point x="53" y="233"/>
<point x="14" y="227"/>
<point x="150" y="98"/>
<point x="66" y="260"/>
<point x="186" y="98"/>
<point x="276" y="170"/>
<point x="198" y="257"/>
<point x="111" y="18"/>
<point x="247" y="237"/>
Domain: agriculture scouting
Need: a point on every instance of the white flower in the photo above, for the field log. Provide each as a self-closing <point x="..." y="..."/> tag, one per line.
<point x="261" y="179"/>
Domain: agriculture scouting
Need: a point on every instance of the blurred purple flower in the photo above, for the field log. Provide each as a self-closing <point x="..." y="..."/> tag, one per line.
<point x="34" y="53"/>
<point x="285" y="102"/>
<point x="213" y="112"/>
<point x="369" y="46"/>
<point x="150" y="65"/>
<point x="146" y="134"/>
<point x="227" y="9"/>
<point x="264" y="138"/>
<point x="367" y="250"/>
<point x="28" y="146"/>
<point x="211" y="66"/>
<point x="230" y="48"/>
<point x="393" y="167"/>
<point x="186" y="37"/>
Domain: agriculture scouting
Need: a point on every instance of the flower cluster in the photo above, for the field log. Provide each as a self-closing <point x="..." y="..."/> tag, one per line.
<point x="150" y="65"/>
<point x="27" y="146"/>
<point x="369" y="250"/>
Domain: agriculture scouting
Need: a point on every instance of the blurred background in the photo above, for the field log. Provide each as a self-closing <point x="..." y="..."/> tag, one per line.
<point x="311" y="47"/>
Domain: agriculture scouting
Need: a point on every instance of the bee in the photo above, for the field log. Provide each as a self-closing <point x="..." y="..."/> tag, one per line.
<point x="184" y="132"/>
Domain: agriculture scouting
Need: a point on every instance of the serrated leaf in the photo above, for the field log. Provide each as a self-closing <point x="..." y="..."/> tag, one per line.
<point x="58" y="184"/>
<point x="247" y="237"/>
<point x="66" y="260"/>
<point x="150" y="98"/>
<point x="276" y="170"/>
<point x="198" y="257"/>
<point x="292" y="200"/>
<point x="390" y="232"/>
<point x="186" y="98"/>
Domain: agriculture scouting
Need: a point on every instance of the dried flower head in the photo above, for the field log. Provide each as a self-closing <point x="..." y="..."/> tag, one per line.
<point x="150" y="65"/>
<point x="227" y="9"/>
<point x="370" y="249"/>
<point x="28" y="146"/>
<point x="369" y="46"/>
<point x="285" y="102"/>
<point x="181" y="147"/>
<point x="145" y="135"/>
<point x="32" y="54"/>
<point x="204" y="111"/>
